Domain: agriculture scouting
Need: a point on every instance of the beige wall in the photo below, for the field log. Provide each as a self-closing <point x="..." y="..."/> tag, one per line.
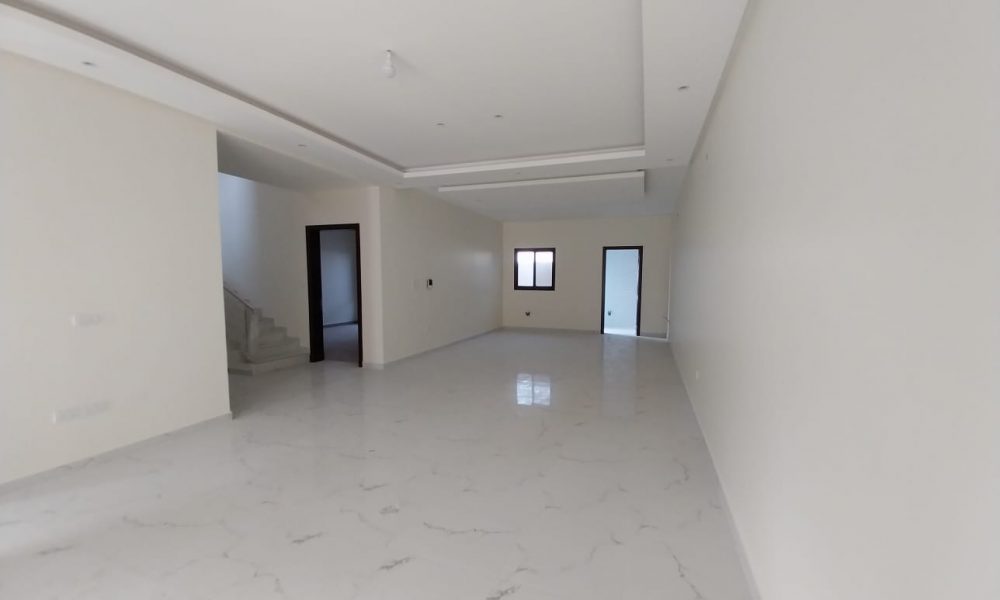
<point x="836" y="294"/>
<point x="406" y="238"/>
<point x="360" y="205"/>
<point x="427" y="238"/>
<point x="264" y="250"/>
<point x="579" y="243"/>
<point x="107" y="208"/>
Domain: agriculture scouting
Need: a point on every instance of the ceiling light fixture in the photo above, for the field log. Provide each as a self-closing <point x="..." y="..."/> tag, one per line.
<point x="498" y="116"/>
<point x="440" y="123"/>
<point x="302" y="145"/>
<point x="388" y="67"/>
<point x="87" y="63"/>
<point x="682" y="88"/>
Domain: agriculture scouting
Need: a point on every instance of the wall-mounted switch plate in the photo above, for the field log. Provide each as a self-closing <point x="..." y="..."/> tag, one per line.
<point x="85" y="319"/>
<point x="80" y="411"/>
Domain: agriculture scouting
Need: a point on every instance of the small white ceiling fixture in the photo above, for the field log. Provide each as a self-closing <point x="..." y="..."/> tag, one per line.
<point x="388" y="67"/>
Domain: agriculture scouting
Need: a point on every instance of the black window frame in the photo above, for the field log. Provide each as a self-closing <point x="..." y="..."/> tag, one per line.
<point x="534" y="266"/>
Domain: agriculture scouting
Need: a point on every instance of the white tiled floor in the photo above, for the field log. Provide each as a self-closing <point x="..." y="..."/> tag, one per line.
<point x="341" y="343"/>
<point x="515" y="465"/>
<point x="619" y="331"/>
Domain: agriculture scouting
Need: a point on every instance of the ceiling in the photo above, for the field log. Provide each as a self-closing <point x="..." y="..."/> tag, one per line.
<point x="485" y="92"/>
<point x="631" y="193"/>
<point x="248" y="160"/>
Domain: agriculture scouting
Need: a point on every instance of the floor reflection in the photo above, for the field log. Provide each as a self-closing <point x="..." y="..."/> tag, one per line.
<point x="619" y="379"/>
<point x="533" y="389"/>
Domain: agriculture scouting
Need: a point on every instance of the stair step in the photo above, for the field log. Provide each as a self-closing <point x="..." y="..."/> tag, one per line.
<point x="245" y="368"/>
<point x="276" y="341"/>
<point x="271" y="335"/>
<point x="270" y="353"/>
<point x="274" y="349"/>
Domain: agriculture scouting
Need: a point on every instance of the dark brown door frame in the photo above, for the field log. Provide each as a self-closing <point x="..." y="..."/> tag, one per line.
<point x="314" y="280"/>
<point x="604" y="281"/>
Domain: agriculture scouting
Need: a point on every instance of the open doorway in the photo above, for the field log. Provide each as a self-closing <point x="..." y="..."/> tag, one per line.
<point x="333" y="265"/>
<point x="621" y="291"/>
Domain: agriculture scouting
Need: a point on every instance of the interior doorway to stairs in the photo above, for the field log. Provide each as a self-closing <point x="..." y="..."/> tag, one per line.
<point x="333" y="273"/>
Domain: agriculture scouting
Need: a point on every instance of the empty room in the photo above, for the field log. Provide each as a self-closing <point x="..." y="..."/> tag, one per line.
<point x="526" y="300"/>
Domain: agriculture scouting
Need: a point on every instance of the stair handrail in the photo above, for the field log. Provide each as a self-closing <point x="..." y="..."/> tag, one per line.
<point x="250" y="321"/>
<point x="237" y="297"/>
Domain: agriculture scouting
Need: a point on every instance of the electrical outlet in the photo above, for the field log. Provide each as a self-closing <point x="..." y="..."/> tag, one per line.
<point x="80" y="411"/>
<point x="85" y="319"/>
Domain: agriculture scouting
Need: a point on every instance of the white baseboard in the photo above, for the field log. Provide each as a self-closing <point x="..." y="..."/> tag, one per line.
<point x="741" y="550"/>
<point x="658" y="336"/>
<point x="547" y="329"/>
<point x="415" y="354"/>
<point x="119" y="450"/>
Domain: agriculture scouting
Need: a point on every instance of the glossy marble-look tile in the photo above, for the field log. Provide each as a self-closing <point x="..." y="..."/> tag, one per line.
<point x="523" y="466"/>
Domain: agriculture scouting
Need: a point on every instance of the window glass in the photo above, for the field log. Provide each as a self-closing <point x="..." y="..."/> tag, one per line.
<point x="525" y="268"/>
<point x="543" y="269"/>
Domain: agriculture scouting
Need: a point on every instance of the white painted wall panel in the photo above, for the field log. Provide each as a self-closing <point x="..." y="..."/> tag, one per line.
<point x="579" y="243"/>
<point x="837" y="286"/>
<point x="107" y="211"/>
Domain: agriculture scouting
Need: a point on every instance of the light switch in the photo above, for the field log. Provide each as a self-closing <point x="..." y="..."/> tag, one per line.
<point x="85" y="319"/>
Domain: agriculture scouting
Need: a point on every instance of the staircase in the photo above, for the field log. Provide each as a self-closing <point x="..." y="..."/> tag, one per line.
<point x="256" y="344"/>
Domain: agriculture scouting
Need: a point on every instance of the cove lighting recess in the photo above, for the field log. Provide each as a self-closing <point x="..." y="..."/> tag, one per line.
<point x="548" y="181"/>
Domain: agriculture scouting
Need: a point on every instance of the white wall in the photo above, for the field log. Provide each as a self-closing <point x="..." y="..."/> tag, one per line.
<point x="426" y="238"/>
<point x="837" y="286"/>
<point x="358" y="205"/>
<point x="264" y="250"/>
<point x="579" y="243"/>
<point x="406" y="238"/>
<point x="107" y="207"/>
<point x="338" y="262"/>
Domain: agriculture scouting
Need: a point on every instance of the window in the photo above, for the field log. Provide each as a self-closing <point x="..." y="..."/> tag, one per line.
<point x="534" y="269"/>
